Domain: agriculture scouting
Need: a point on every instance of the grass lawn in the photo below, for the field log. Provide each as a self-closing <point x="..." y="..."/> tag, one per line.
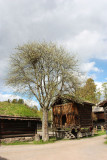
<point x="100" y="133"/>
<point x="51" y="140"/>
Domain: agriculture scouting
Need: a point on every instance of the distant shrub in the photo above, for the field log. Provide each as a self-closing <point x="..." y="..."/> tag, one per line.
<point x="14" y="101"/>
<point x="20" y="101"/>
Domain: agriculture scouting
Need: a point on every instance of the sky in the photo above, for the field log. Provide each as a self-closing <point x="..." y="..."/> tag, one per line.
<point x="79" y="25"/>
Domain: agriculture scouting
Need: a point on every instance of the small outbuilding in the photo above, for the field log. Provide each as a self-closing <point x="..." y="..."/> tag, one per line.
<point x="98" y="116"/>
<point x="99" y="112"/>
<point x="13" y="126"/>
<point x="104" y="105"/>
<point x="18" y="122"/>
<point x="71" y="113"/>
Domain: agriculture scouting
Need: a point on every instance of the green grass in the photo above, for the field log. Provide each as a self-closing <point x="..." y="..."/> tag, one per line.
<point x="100" y="133"/>
<point x="51" y="140"/>
<point x="12" y="109"/>
<point x="15" y="143"/>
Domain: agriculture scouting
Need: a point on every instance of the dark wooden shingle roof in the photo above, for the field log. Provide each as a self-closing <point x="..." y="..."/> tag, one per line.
<point x="102" y="103"/>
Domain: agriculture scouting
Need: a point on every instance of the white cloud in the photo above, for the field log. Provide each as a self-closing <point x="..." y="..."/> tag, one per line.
<point x="87" y="44"/>
<point x="90" y="66"/>
<point x="99" y="85"/>
<point x="93" y="76"/>
<point x="5" y="97"/>
<point x="31" y="103"/>
<point x="80" y="25"/>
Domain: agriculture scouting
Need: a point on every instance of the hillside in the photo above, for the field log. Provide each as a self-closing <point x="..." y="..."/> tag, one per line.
<point x="17" y="110"/>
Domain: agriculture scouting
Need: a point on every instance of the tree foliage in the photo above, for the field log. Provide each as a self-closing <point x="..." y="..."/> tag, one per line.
<point x="14" y="101"/>
<point x="19" y="101"/>
<point x="45" y="71"/>
<point x="104" y="85"/>
<point x="89" y="92"/>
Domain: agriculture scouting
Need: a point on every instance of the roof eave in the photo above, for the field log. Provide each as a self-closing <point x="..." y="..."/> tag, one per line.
<point x="19" y="118"/>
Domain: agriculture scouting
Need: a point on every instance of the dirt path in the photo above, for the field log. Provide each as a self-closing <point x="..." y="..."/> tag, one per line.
<point x="84" y="149"/>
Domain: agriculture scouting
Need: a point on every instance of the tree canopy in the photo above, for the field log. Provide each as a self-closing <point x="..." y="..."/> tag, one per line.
<point x="42" y="70"/>
<point x="89" y="92"/>
<point x="104" y="85"/>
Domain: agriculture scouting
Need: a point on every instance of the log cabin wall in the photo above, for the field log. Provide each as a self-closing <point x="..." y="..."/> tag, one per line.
<point x="65" y="115"/>
<point x="10" y="128"/>
<point x="72" y="115"/>
<point x="104" y="105"/>
<point x="85" y="112"/>
<point x="99" y="115"/>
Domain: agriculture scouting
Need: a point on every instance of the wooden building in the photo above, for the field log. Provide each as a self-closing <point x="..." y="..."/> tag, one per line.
<point x="104" y="105"/>
<point x="71" y="113"/>
<point x="11" y="126"/>
<point x="98" y="116"/>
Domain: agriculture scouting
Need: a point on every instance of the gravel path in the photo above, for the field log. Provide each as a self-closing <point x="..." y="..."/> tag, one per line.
<point x="83" y="149"/>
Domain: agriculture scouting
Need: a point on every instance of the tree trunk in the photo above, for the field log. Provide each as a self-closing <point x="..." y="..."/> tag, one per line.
<point x="45" y="136"/>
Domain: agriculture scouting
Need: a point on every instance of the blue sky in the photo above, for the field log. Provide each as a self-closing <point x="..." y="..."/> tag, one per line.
<point x="79" y="25"/>
<point x="101" y="76"/>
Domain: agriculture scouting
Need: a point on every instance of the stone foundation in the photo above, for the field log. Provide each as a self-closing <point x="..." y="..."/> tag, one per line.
<point x="21" y="139"/>
<point x="37" y="137"/>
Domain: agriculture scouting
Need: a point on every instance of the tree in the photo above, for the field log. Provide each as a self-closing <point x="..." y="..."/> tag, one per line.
<point x="104" y="85"/>
<point x="20" y="101"/>
<point x="45" y="71"/>
<point x="14" y="101"/>
<point x="8" y="101"/>
<point x="88" y="91"/>
<point x="98" y="95"/>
